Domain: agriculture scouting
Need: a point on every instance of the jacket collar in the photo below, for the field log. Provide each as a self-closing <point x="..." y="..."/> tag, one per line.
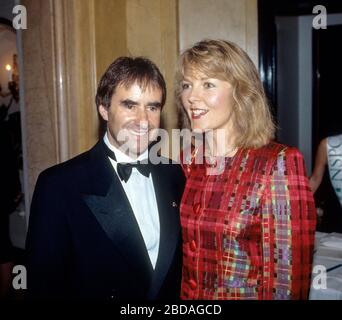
<point x="107" y="200"/>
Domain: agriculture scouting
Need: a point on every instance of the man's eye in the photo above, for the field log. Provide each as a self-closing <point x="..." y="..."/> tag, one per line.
<point x="129" y="106"/>
<point x="153" y="108"/>
<point x="208" y="85"/>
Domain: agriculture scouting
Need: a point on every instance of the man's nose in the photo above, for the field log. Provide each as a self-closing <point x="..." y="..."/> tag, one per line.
<point x="142" y="116"/>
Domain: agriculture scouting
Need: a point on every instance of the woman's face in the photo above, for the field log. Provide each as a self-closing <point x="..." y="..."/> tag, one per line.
<point x="207" y="101"/>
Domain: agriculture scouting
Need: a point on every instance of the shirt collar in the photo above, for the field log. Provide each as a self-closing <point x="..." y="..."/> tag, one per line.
<point x="122" y="157"/>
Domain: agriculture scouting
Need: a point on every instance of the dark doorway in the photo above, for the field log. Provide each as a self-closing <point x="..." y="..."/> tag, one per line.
<point x="327" y="113"/>
<point x="327" y="63"/>
<point x="268" y="10"/>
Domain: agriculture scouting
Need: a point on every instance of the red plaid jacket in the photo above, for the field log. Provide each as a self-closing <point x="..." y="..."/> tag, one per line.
<point x="248" y="233"/>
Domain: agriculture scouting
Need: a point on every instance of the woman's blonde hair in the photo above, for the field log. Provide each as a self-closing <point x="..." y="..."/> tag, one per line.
<point x="226" y="61"/>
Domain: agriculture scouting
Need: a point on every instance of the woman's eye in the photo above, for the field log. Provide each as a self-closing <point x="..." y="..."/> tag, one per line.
<point x="208" y="85"/>
<point x="185" y="86"/>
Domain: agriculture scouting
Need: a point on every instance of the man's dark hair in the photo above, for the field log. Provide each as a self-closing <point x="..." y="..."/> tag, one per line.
<point x="126" y="71"/>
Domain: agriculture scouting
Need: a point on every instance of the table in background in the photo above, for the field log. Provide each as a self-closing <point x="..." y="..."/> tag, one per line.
<point x="328" y="253"/>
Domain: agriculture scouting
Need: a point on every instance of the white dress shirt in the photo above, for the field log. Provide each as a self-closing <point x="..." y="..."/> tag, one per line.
<point x="141" y="195"/>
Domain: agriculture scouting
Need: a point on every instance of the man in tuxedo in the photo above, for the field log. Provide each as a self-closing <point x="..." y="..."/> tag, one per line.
<point x="105" y="224"/>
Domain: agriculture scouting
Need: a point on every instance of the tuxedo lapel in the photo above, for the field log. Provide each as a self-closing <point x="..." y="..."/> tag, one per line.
<point x="169" y="225"/>
<point x="108" y="202"/>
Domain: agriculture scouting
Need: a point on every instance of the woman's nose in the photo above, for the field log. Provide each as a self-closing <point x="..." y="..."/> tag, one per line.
<point x="194" y="95"/>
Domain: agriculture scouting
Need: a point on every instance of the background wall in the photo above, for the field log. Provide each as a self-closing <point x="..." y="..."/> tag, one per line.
<point x="40" y="90"/>
<point x="152" y="32"/>
<point x="232" y="20"/>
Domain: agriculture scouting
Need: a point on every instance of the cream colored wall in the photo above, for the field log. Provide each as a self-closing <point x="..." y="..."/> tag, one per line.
<point x="110" y="33"/>
<point x="81" y="71"/>
<point x="152" y="32"/>
<point x="232" y="20"/>
<point x="40" y="97"/>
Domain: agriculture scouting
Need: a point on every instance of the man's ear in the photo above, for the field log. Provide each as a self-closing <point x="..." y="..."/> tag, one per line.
<point x="103" y="112"/>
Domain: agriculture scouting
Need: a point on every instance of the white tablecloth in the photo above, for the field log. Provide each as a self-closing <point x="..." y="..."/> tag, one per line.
<point x="328" y="254"/>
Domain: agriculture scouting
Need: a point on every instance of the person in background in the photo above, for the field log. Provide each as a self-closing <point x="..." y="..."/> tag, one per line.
<point x="247" y="213"/>
<point x="10" y="195"/>
<point x="329" y="154"/>
<point x="105" y="224"/>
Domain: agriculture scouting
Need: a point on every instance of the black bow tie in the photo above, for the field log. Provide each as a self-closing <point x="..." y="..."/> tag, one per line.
<point x="125" y="169"/>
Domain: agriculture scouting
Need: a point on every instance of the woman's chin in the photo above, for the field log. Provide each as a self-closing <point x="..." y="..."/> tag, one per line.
<point x="198" y="127"/>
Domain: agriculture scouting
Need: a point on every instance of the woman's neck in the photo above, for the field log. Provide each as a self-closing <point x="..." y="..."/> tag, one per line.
<point x="220" y="143"/>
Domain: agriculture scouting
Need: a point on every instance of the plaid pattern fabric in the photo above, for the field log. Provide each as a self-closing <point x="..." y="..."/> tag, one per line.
<point x="248" y="233"/>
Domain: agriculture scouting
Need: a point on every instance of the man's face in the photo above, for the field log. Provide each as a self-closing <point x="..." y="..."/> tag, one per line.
<point x="132" y="118"/>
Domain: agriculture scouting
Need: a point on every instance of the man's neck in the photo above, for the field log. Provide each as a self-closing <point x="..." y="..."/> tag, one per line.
<point x="122" y="156"/>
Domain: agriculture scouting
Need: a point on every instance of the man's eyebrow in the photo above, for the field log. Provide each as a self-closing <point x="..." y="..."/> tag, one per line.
<point x="127" y="102"/>
<point x="156" y="104"/>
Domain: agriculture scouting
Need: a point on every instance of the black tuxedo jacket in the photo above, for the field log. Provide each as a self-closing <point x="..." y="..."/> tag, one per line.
<point x="84" y="242"/>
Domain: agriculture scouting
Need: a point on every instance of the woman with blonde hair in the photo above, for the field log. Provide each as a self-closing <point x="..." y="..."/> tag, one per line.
<point x="247" y="213"/>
